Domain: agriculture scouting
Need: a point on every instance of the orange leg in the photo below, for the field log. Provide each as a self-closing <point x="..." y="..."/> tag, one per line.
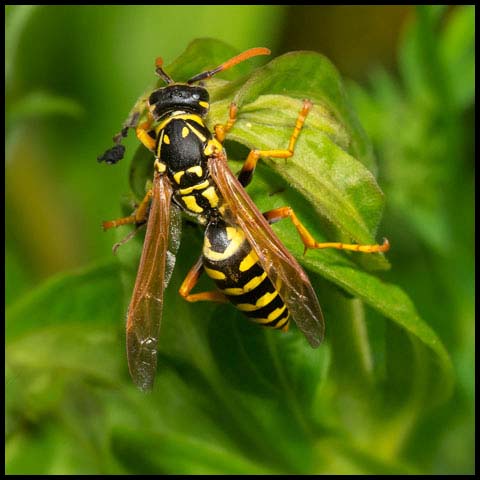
<point x="279" y="213"/>
<point x="222" y="130"/>
<point x="191" y="280"/>
<point x="139" y="216"/>
<point x="246" y="174"/>
<point x="143" y="135"/>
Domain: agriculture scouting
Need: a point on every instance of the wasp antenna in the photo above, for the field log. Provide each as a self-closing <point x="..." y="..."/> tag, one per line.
<point x="253" y="52"/>
<point x="161" y="72"/>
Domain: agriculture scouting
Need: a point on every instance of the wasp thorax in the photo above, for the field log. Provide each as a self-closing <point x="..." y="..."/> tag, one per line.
<point x="188" y="98"/>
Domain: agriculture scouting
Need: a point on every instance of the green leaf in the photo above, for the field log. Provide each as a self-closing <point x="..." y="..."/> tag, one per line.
<point x="335" y="183"/>
<point x="94" y="290"/>
<point x="300" y="74"/>
<point x="182" y="455"/>
<point x="337" y="186"/>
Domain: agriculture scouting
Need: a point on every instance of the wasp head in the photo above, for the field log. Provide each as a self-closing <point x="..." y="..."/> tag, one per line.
<point x="178" y="97"/>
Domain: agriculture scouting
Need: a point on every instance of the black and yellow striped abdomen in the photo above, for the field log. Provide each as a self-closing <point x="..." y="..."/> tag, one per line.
<point x="231" y="262"/>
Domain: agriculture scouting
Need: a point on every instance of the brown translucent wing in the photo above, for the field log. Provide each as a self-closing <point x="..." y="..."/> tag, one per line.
<point x="281" y="267"/>
<point x="145" y="309"/>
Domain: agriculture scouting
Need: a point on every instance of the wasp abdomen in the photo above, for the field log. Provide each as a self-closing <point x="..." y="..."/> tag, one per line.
<point x="231" y="262"/>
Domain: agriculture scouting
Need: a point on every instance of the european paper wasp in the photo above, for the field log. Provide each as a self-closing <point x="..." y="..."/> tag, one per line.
<point x="241" y="253"/>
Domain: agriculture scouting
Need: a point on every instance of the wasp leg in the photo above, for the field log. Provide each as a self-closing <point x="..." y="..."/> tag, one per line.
<point x="139" y="216"/>
<point x="143" y="133"/>
<point x="117" y="245"/>
<point x="222" y="130"/>
<point x="246" y="174"/>
<point x="309" y="242"/>
<point x="116" y="153"/>
<point x="191" y="280"/>
<point x="135" y="113"/>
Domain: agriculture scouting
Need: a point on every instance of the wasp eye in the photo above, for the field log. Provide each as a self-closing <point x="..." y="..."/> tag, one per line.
<point x="154" y="97"/>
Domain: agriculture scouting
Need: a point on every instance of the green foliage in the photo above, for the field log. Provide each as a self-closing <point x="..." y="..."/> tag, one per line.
<point x="422" y="129"/>
<point x="419" y="129"/>
<point x="231" y="397"/>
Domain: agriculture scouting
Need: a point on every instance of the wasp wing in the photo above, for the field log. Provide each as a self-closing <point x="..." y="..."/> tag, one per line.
<point x="175" y="233"/>
<point x="281" y="267"/>
<point x="156" y="264"/>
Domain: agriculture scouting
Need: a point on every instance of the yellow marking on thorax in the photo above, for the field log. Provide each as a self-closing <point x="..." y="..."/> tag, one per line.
<point x="181" y="116"/>
<point x="248" y="262"/>
<point x="213" y="146"/>
<point x="222" y="209"/>
<point x="203" y="104"/>
<point x="178" y="176"/>
<point x="166" y="139"/>
<point x="211" y="195"/>
<point x="185" y="132"/>
<point x="159" y="166"/>
<point x="159" y="146"/>
<point x="191" y="204"/>
<point x="253" y="283"/>
<point x="198" y="186"/>
<point x="202" y="137"/>
<point x="261" y="302"/>
<point x="215" y="274"/>
<point x="196" y="169"/>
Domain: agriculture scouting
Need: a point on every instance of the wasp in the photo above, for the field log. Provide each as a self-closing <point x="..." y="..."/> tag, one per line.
<point x="241" y="253"/>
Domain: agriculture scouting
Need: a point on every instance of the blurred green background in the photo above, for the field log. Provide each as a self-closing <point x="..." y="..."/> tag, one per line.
<point x="72" y="73"/>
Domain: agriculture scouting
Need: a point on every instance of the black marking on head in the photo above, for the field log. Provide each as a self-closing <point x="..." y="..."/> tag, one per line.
<point x="178" y="97"/>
